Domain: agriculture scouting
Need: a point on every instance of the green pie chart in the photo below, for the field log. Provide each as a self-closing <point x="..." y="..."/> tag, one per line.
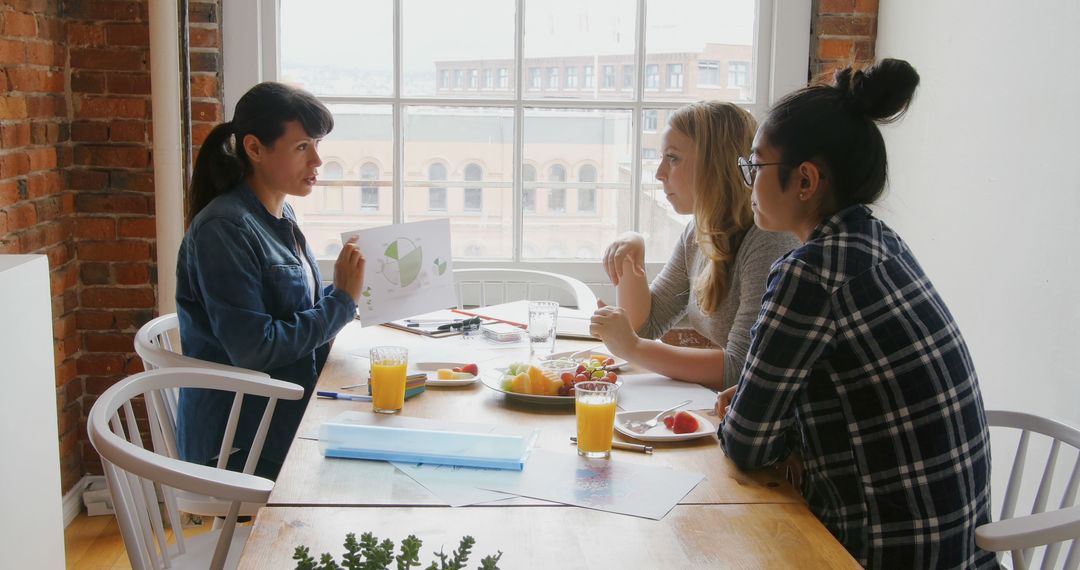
<point x="404" y="260"/>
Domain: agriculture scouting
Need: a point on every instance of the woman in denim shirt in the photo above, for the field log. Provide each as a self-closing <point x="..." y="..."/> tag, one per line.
<point x="247" y="283"/>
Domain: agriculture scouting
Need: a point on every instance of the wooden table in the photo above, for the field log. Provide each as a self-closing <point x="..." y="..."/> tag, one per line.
<point x="731" y="519"/>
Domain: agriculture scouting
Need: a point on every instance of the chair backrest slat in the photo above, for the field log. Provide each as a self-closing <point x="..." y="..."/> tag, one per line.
<point x="1008" y="506"/>
<point x="1043" y="494"/>
<point x="230" y="431"/>
<point x="260" y="437"/>
<point x="1073" y="561"/>
<point x="1068" y="499"/>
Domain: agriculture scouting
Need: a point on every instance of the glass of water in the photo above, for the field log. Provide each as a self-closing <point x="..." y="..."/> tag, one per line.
<point x="543" y="315"/>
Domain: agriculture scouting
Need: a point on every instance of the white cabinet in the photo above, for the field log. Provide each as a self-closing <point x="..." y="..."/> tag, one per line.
<point x="30" y="492"/>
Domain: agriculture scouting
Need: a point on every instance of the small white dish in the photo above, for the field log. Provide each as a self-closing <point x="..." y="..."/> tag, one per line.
<point x="660" y="432"/>
<point x="432" y="378"/>
<point x="581" y="355"/>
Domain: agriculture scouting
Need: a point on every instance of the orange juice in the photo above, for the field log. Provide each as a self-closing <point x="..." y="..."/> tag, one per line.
<point x="595" y="423"/>
<point x="387" y="386"/>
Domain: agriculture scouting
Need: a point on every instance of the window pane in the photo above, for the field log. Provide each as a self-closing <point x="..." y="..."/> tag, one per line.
<point x="433" y="41"/>
<point x="461" y="160"/>
<point x="659" y="222"/>
<point x="581" y="199"/>
<point x="578" y="34"/>
<point x="363" y="65"/>
<point x="357" y="162"/>
<point x="721" y="31"/>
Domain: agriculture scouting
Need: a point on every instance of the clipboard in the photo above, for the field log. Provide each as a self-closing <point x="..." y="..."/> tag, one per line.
<point x="431" y="332"/>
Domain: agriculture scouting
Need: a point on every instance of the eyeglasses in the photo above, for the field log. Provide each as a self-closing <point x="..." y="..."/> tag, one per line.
<point x="749" y="169"/>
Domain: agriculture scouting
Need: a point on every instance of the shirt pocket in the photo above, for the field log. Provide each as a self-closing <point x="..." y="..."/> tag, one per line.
<point x="286" y="290"/>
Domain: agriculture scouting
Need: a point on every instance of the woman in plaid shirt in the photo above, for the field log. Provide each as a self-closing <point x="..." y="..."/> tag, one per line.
<point x="855" y="364"/>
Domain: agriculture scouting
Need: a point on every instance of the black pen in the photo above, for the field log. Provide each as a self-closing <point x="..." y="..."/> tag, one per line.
<point x="430" y="322"/>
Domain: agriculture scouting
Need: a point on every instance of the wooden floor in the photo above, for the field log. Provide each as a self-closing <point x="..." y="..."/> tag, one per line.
<point x="94" y="543"/>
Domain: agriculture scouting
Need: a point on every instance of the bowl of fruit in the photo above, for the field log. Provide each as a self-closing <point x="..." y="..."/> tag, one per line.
<point x="551" y="381"/>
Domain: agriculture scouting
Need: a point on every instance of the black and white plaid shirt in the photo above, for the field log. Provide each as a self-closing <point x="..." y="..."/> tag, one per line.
<point x="856" y="363"/>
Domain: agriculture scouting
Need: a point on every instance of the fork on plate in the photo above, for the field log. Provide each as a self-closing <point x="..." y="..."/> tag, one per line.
<point x="637" y="426"/>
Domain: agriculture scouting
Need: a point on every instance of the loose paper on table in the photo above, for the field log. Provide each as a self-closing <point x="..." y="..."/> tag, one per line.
<point x="657" y="392"/>
<point x="409" y="270"/>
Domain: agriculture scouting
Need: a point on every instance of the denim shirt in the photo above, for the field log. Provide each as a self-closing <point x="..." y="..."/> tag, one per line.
<point x="243" y="299"/>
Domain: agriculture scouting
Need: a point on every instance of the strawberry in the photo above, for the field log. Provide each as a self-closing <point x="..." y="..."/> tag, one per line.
<point x="456" y="369"/>
<point x="471" y="369"/>
<point x="669" y="421"/>
<point x="684" y="422"/>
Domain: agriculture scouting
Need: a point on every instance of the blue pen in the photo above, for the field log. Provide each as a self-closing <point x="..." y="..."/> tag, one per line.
<point x="340" y="396"/>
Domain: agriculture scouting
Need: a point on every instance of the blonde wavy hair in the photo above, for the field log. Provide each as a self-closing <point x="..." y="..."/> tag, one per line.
<point x="722" y="132"/>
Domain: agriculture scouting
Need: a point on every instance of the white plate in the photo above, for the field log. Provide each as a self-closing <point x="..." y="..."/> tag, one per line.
<point x="493" y="379"/>
<point x="432" y="380"/>
<point x="660" y="432"/>
<point x="584" y="355"/>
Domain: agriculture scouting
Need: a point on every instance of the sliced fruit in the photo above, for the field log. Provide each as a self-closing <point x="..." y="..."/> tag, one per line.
<point x="538" y="382"/>
<point x="685" y="422"/>
<point x="669" y="421"/>
<point x="463" y="376"/>
<point x="520" y="384"/>
<point x="507" y="384"/>
<point x="471" y="369"/>
<point x="553" y="387"/>
<point x="444" y="374"/>
<point x="598" y="358"/>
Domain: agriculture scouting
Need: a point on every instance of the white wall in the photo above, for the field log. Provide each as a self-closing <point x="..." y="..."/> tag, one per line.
<point x="985" y="187"/>
<point x="33" y="535"/>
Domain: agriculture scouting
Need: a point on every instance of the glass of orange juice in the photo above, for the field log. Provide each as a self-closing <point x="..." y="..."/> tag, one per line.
<point x="595" y="407"/>
<point x="388" y="365"/>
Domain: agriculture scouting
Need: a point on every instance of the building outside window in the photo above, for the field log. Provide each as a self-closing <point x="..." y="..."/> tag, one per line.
<point x="648" y="121"/>
<point x="557" y="196"/>
<point x="627" y="77"/>
<point x="553" y="78"/>
<point x="528" y="192"/>
<point x="586" y="197"/>
<point x="738" y="74"/>
<point x="571" y="78"/>
<point x="489" y="78"/>
<point x="369" y="195"/>
<point x="436" y="196"/>
<point x="333" y="196"/>
<point x="459" y="79"/>
<point x="503" y="78"/>
<point x="589" y="79"/>
<point x="474" y="197"/>
<point x="444" y="79"/>
<point x="652" y="76"/>
<point x="708" y="73"/>
<point x="674" y="76"/>
<point x="609" y="77"/>
<point x="474" y="78"/>
<point x="534" y="78"/>
<point x="649" y="154"/>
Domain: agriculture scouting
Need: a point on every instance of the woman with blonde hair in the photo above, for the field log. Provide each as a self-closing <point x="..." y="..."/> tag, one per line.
<point x="716" y="275"/>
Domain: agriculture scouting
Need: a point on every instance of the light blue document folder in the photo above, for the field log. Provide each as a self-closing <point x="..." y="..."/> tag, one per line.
<point x="366" y="435"/>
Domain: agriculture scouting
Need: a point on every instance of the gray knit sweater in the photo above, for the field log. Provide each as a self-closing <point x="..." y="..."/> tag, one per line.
<point x="729" y="325"/>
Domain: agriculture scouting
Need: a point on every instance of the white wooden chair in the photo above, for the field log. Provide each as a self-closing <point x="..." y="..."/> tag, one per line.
<point x="154" y="343"/>
<point x="137" y="475"/>
<point x="481" y="287"/>
<point x="1052" y="529"/>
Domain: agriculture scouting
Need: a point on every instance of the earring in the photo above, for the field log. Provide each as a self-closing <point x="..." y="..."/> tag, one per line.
<point x="802" y="195"/>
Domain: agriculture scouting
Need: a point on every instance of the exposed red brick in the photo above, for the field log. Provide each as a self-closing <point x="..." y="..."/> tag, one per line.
<point x="129" y="83"/>
<point x="137" y="228"/>
<point x="204" y="37"/>
<point x="87" y="82"/>
<point x="19" y="24"/>
<point x="108" y="342"/>
<point x="845" y="26"/>
<point x="83" y="34"/>
<point x="103" y="297"/>
<point x="132" y="273"/>
<point x="88" y="179"/>
<point x="128" y="131"/>
<point x="95" y="320"/>
<point x="12" y="107"/>
<point x="109" y="59"/>
<point x="113" y="251"/>
<point x="210" y="112"/>
<point x="21" y="216"/>
<point x="41" y="53"/>
<point x="127" y="35"/>
<point x="866" y="7"/>
<point x="12" y="52"/>
<point x="204" y="86"/>
<point x="110" y="107"/>
<point x="112" y="203"/>
<point x="100" y="365"/>
<point x="24" y="79"/>
<point x="106" y="10"/>
<point x="120" y="156"/>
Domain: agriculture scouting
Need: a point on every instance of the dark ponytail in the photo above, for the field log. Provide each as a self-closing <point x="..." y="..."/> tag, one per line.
<point x="263" y="112"/>
<point x="836" y="127"/>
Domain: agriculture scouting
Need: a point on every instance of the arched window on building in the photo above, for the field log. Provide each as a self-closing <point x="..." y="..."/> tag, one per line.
<point x="437" y="196"/>
<point x="557" y="196"/>
<point x="528" y="193"/>
<point x="474" y="197"/>
<point x="369" y="193"/>
<point x="586" y="196"/>
<point x="333" y="195"/>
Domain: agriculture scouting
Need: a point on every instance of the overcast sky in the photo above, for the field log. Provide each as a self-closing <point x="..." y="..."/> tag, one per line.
<point x="357" y="33"/>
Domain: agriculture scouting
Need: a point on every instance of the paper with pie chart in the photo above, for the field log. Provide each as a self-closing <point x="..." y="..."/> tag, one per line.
<point x="409" y="270"/>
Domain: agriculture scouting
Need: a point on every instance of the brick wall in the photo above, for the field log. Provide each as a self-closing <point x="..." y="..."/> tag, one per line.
<point x="843" y="33"/>
<point x="76" y="180"/>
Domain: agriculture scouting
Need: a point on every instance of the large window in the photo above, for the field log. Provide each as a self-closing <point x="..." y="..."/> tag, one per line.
<point x="556" y="105"/>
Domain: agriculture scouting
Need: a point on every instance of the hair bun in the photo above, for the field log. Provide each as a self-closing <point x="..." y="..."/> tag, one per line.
<point x="881" y="93"/>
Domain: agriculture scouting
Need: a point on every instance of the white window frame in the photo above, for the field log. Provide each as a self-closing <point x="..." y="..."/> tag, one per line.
<point x="251" y="47"/>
